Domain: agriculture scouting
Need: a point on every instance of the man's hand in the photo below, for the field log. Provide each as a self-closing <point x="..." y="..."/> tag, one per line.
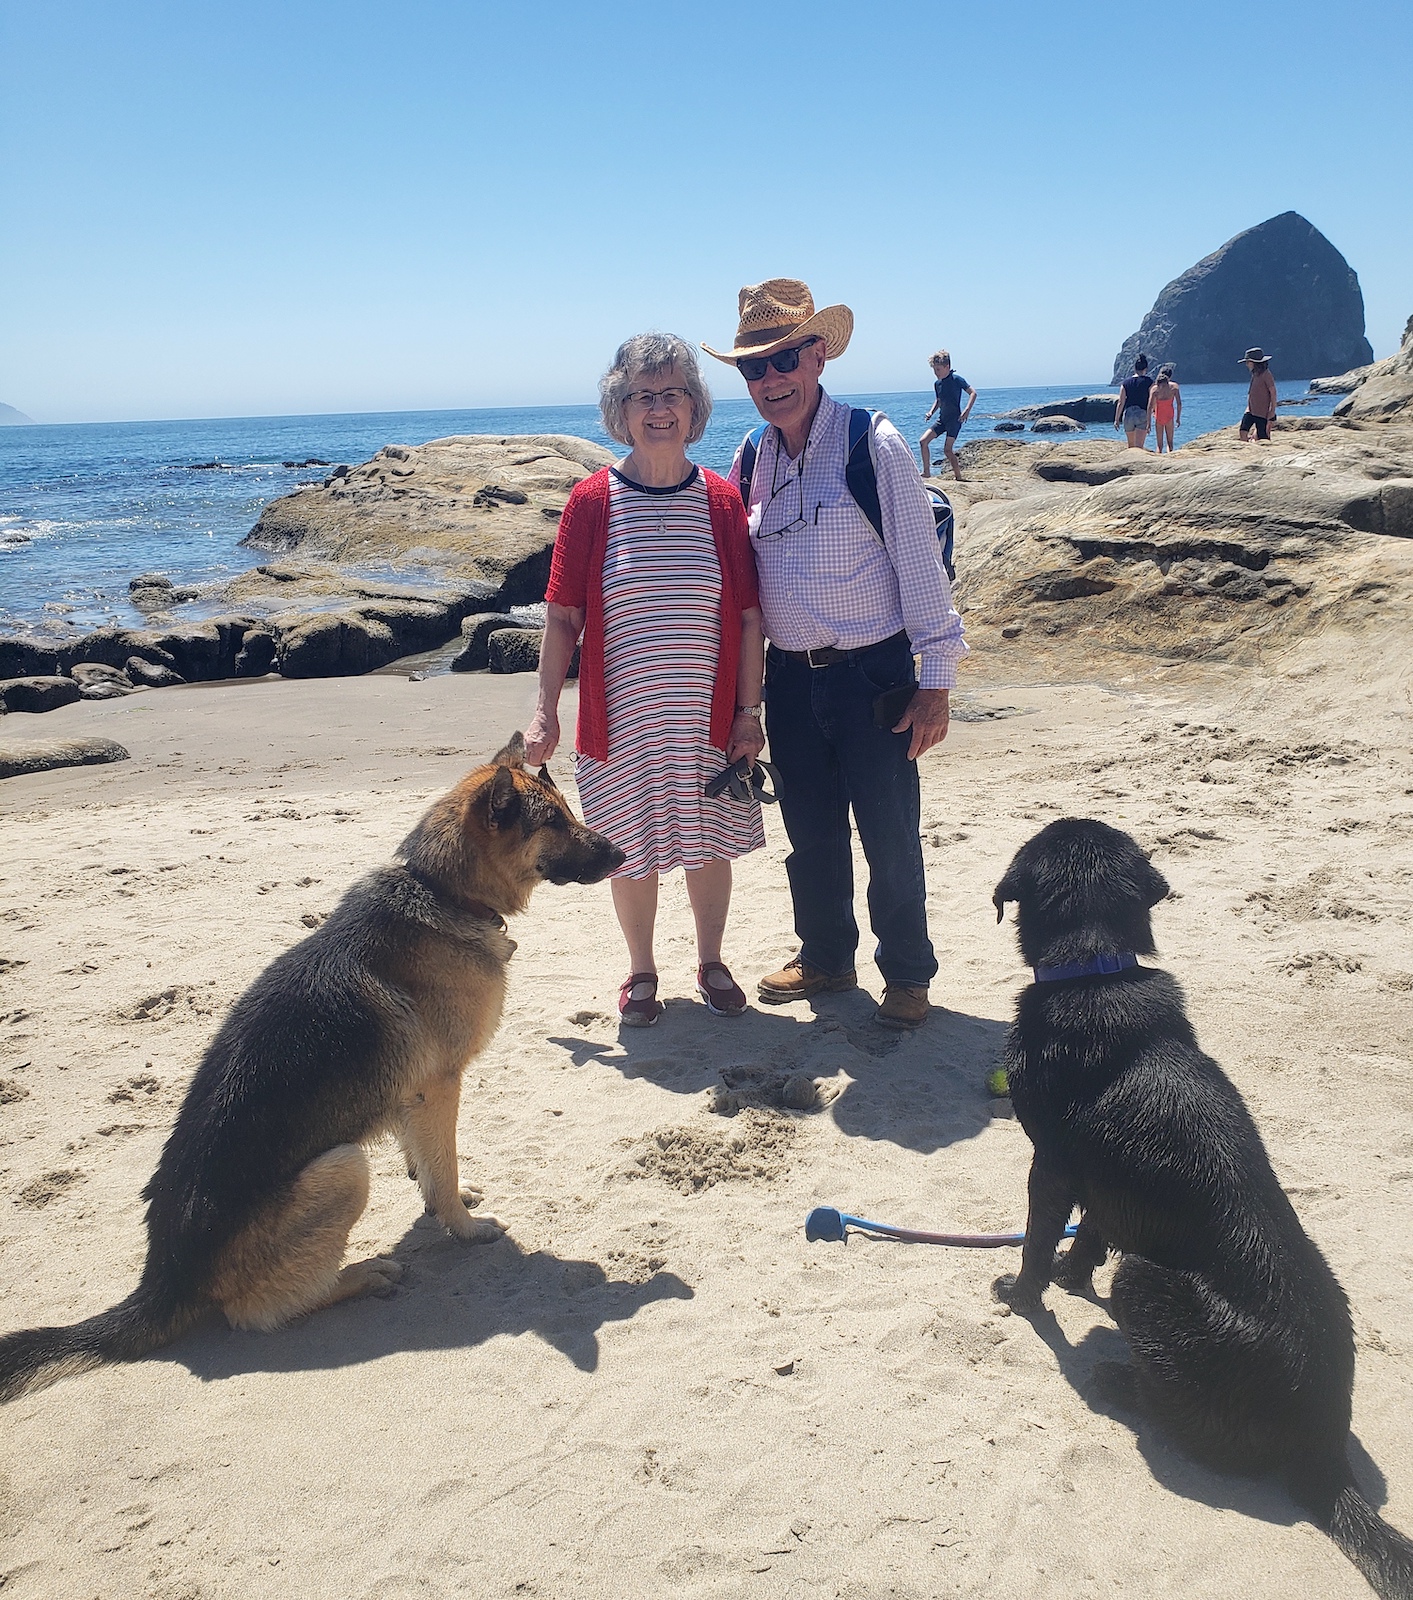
<point x="541" y="738"/>
<point x="928" y="714"/>
<point x="747" y="738"/>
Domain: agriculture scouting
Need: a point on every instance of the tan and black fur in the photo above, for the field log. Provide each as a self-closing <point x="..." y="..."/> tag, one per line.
<point x="362" y="1029"/>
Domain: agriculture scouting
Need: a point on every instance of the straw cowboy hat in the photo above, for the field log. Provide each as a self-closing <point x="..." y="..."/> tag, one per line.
<point x="781" y="311"/>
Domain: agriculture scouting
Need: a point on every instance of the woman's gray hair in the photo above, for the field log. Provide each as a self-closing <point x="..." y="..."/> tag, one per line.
<point x="644" y="356"/>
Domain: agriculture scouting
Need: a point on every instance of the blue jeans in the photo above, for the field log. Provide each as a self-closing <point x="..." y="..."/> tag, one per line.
<point x="832" y="756"/>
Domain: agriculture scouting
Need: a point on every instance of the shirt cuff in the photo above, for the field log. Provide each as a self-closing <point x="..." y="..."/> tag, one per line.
<point x="938" y="672"/>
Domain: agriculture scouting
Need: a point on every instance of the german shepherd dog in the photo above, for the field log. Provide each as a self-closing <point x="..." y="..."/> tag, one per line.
<point x="362" y="1029"/>
<point x="1240" y="1336"/>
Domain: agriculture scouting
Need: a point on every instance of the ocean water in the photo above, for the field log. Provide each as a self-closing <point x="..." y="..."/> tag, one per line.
<point x="86" y="507"/>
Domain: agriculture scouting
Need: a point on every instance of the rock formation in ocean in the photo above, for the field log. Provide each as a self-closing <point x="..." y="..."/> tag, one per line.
<point x="10" y="417"/>
<point x="1281" y="285"/>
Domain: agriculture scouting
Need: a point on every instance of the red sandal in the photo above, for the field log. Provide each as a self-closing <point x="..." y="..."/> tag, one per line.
<point x="638" y="1011"/>
<point x="722" y="1000"/>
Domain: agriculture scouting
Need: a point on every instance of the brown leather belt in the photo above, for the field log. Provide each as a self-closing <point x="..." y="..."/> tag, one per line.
<point x="828" y="656"/>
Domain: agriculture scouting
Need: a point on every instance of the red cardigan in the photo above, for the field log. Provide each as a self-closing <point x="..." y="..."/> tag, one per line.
<point x="576" y="580"/>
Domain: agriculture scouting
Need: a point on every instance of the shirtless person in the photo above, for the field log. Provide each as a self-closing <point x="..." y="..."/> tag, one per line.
<point x="949" y="388"/>
<point x="1260" y="398"/>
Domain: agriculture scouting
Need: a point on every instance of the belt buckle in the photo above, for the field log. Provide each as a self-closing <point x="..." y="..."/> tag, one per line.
<point x="817" y="650"/>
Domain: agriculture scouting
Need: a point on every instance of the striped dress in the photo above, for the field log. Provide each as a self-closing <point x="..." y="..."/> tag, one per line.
<point x="662" y="635"/>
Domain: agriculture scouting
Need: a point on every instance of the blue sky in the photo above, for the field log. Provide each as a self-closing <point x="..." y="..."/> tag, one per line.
<point x="220" y="209"/>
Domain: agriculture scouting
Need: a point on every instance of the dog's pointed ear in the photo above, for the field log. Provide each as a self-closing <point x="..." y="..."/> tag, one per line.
<point x="1156" y="886"/>
<point x="503" y="800"/>
<point x="513" y="754"/>
<point x="1007" y="889"/>
<point x="545" y="777"/>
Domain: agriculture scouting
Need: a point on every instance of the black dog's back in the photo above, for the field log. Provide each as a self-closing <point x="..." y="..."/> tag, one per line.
<point x="1241" y="1336"/>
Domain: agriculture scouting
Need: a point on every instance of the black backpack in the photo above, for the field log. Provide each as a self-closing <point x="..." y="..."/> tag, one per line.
<point x="861" y="478"/>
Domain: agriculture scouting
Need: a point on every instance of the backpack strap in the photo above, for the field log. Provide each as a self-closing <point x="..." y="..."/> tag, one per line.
<point x="860" y="474"/>
<point x="750" y="449"/>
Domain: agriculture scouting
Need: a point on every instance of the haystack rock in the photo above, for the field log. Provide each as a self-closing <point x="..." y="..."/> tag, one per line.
<point x="1281" y="285"/>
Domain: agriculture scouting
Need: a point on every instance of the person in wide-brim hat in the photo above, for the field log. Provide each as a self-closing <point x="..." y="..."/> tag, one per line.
<point x="781" y="311"/>
<point x="1261" y="397"/>
<point x="1255" y="353"/>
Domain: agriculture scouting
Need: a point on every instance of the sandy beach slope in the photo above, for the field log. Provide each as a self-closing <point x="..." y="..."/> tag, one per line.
<point x="654" y="1386"/>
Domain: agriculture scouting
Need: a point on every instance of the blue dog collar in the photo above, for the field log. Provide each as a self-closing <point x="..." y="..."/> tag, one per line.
<point x="1095" y="967"/>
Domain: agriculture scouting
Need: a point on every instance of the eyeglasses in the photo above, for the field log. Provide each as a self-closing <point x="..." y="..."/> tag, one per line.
<point x="753" y="368"/>
<point x="646" y="399"/>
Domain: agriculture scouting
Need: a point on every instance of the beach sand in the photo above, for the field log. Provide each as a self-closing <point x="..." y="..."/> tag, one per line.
<point x="654" y="1385"/>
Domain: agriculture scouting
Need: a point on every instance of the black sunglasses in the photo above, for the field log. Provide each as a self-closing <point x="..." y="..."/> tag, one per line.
<point x="753" y="368"/>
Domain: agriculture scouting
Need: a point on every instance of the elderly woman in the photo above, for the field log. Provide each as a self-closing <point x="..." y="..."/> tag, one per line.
<point x="653" y="566"/>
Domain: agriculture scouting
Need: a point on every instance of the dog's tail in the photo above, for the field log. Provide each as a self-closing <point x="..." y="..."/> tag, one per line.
<point x="1380" y="1551"/>
<point x="36" y="1357"/>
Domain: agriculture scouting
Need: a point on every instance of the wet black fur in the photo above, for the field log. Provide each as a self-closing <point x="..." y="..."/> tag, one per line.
<point x="1240" y="1335"/>
<point x="305" y="1060"/>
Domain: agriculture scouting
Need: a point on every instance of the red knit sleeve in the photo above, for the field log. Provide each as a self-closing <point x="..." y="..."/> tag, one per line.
<point x="737" y="542"/>
<point x="569" y="566"/>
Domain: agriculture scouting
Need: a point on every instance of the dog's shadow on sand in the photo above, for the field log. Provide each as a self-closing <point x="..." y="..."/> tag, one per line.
<point x="922" y="1090"/>
<point x="1262" y="1498"/>
<point x="451" y="1296"/>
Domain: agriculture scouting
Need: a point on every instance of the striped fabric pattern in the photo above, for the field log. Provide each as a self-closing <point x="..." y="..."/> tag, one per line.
<point x="662" y="632"/>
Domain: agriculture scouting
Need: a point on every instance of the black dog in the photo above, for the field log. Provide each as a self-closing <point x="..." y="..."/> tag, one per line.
<point x="1241" y="1338"/>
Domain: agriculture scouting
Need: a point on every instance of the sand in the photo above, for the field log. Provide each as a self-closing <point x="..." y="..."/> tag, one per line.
<point x="654" y="1385"/>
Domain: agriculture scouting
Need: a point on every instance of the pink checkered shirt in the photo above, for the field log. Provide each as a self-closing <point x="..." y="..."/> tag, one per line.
<point x="827" y="579"/>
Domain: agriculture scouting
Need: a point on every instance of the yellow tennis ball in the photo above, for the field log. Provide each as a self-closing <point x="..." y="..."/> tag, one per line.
<point x="996" y="1083"/>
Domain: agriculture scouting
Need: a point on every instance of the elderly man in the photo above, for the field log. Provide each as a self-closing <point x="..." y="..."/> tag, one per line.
<point x="851" y="587"/>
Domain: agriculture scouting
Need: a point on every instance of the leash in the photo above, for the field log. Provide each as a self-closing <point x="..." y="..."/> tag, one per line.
<point x="824" y="1222"/>
<point x="743" y="780"/>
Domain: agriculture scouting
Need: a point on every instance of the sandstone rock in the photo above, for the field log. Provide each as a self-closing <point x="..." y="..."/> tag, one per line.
<point x="152" y="591"/>
<point x="515" y="649"/>
<point x="153" y="675"/>
<point x="476" y="631"/>
<point x="1009" y="427"/>
<point x="256" y="656"/>
<point x="1281" y="285"/>
<point x="21" y="756"/>
<point x="1399" y="364"/>
<point x="480" y="506"/>
<point x="37" y="693"/>
<point x="1220" y="550"/>
<point x="1083" y="408"/>
<point x="85" y="673"/>
<point x="106" y="689"/>
<point x="1058" y="425"/>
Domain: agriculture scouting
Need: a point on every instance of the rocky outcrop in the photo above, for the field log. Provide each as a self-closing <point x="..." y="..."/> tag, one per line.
<point x="19" y="757"/>
<point x="1082" y="408"/>
<point x="1220" y="550"/>
<point x="10" y="417"/>
<point x="476" y="633"/>
<point x="1281" y="285"/>
<point x="1049" y="424"/>
<point x="39" y="693"/>
<point x="1399" y="364"/>
<point x="1384" y="391"/>
<point x="482" y="507"/>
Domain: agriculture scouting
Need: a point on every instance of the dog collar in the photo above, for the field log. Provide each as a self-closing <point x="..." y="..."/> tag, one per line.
<point x="1095" y="967"/>
<point x="474" y="908"/>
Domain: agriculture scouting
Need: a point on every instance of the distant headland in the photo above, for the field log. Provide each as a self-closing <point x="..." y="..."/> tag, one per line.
<point x="9" y="417"/>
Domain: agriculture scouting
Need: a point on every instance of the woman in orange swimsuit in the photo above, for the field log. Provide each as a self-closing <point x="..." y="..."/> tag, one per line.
<point x="1165" y="407"/>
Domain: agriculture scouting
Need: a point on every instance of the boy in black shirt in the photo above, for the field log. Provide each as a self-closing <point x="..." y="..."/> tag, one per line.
<point x="949" y="389"/>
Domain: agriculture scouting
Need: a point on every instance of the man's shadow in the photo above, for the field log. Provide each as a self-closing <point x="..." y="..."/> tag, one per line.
<point x="922" y="1090"/>
<point x="1262" y="1498"/>
<point x="452" y="1296"/>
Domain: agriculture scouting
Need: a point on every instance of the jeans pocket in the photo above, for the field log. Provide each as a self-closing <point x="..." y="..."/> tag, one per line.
<point x="888" y="669"/>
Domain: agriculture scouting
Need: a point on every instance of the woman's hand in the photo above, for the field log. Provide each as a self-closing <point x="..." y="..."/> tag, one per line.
<point x="541" y="737"/>
<point x="747" y="737"/>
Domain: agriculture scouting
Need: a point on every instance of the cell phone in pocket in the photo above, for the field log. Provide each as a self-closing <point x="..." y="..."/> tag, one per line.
<point x="891" y="704"/>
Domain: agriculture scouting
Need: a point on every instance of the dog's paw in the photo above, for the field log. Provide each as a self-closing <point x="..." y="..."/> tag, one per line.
<point x="473" y="1230"/>
<point x="1013" y="1291"/>
<point x="1073" y="1276"/>
<point x="471" y="1196"/>
<point x="383" y="1275"/>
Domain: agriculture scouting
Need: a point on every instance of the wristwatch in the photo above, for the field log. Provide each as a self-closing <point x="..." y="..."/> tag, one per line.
<point x="748" y="711"/>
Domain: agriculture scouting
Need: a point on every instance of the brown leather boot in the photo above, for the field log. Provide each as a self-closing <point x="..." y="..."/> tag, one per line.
<point x="904" y="1005"/>
<point x="797" y="980"/>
